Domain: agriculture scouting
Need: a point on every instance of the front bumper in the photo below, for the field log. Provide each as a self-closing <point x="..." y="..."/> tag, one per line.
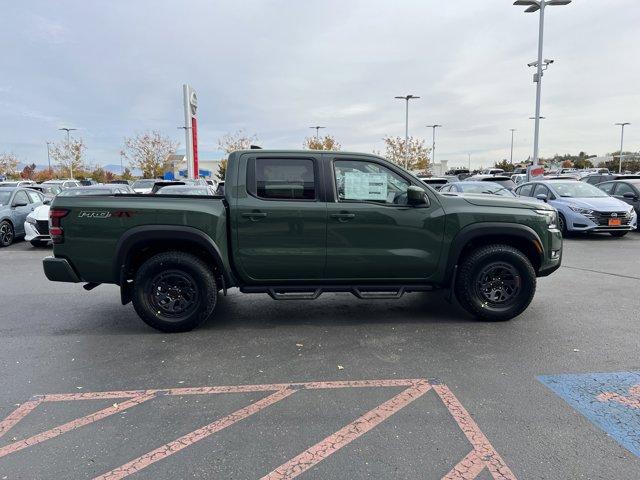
<point x="597" y="222"/>
<point x="552" y="253"/>
<point x="32" y="233"/>
<point x="59" y="270"/>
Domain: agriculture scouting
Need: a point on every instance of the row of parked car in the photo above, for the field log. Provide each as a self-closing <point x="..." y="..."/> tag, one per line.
<point x="595" y="202"/>
<point x="24" y="204"/>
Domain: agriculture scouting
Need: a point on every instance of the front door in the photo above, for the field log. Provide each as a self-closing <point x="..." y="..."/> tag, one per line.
<point x="372" y="234"/>
<point x="21" y="207"/>
<point x="281" y="218"/>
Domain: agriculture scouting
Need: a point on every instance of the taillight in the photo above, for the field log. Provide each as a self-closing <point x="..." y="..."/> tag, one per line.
<point x="55" y="229"/>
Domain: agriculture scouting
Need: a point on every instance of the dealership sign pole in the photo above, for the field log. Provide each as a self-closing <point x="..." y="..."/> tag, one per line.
<point x="191" y="130"/>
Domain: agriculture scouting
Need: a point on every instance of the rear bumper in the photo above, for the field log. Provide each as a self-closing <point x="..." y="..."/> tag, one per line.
<point x="59" y="270"/>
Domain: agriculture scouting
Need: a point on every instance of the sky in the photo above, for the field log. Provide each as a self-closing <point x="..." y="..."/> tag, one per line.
<point x="274" y="67"/>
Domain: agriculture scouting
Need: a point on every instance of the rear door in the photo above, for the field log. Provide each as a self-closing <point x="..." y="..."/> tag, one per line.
<point x="280" y="217"/>
<point x="372" y="234"/>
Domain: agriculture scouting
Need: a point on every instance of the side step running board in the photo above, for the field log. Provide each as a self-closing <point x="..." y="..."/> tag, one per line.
<point x="311" y="292"/>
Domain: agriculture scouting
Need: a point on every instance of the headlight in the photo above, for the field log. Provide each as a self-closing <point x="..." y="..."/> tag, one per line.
<point x="551" y="216"/>
<point x="583" y="211"/>
<point x="31" y="220"/>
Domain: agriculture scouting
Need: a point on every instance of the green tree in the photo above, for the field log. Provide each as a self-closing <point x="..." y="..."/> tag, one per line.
<point x="222" y="170"/>
<point x="505" y="165"/>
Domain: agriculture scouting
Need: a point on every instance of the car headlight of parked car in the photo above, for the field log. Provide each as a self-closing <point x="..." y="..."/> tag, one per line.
<point x="583" y="211"/>
<point x="31" y="220"/>
<point x="551" y="216"/>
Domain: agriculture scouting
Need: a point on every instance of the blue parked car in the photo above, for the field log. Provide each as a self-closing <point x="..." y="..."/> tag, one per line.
<point x="583" y="207"/>
<point x="15" y="204"/>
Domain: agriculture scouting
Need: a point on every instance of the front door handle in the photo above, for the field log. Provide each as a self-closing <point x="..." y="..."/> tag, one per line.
<point x="343" y="217"/>
<point x="254" y="216"/>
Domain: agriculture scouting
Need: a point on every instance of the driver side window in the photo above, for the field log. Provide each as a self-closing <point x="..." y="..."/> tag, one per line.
<point x="361" y="181"/>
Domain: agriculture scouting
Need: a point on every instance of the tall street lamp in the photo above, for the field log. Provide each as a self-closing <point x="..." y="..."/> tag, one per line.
<point x="623" y="124"/>
<point x="406" y="128"/>
<point x="317" y="127"/>
<point x="534" y="6"/>
<point x="433" y="142"/>
<point x="66" y="129"/>
<point x="511" y="157"/>
<point x="49" y="156"/>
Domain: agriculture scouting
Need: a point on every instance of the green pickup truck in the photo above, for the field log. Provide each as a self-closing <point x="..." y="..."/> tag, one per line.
<point x="295" y="224"/>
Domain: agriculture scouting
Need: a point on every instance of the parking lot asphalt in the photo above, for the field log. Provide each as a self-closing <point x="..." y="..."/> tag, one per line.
<point x="275" y="389"/>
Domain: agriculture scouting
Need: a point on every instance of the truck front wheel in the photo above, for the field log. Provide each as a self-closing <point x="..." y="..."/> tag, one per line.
<point x="174" y="292"/>
<point x="495" y="283"/>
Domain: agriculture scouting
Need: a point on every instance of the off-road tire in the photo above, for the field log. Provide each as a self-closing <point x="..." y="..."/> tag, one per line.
<point x="197" y="289"/>
<point x="472" y="272"/>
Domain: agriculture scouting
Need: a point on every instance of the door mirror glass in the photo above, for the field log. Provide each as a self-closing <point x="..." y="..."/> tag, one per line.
<point x="416" y="197"/>
<point x="542" y="196"/>
<point x="46" y="201"/>
<point x="630" y="195"/>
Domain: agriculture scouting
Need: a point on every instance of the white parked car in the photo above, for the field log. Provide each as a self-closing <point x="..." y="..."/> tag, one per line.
<point x="36" y="226"/>
<point x="144" y="185"/>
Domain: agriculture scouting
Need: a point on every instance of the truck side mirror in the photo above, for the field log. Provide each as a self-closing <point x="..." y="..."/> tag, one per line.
<point x="417" y="197"/>
<point x="542" y="196"/>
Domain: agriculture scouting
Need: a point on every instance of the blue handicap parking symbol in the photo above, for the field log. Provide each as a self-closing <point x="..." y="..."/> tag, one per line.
<point x="609" y="400"/>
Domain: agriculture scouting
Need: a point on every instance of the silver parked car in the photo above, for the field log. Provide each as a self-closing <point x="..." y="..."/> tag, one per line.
<point x="15" y="204"/>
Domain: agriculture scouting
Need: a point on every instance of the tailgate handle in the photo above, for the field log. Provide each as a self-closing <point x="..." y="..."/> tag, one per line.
<point x="254" y="216"/>
<point x="343" y="217"/>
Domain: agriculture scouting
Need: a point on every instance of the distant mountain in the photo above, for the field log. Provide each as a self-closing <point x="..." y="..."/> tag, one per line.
<point x="115" y="169"/>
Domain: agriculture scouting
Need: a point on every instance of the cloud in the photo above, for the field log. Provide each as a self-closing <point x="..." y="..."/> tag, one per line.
<point x="275" y="67"/>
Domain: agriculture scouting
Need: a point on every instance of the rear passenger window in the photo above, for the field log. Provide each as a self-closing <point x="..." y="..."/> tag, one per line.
<point x="526" y="190"/>
<point x="283" y="179"/>
<point x="607" y="187"/>
<point x="34" y="197"/>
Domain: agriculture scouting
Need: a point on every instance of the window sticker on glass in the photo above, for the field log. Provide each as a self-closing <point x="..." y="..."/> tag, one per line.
<point x="365" y="186"/>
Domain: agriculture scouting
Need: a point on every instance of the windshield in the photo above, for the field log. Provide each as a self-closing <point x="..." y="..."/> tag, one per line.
<point x="507" y="182"/>
<point x="75" y="192"/>
<point x="183" y="191"/>
<point x="52" y="189"/>
<point x="491" y="189"/>
<point x="577" y="190"/>
<point x="143" y="183"/>
<point x="4" y="198"/>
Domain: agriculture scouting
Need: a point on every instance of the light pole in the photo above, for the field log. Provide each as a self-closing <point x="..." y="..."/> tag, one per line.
<point x="406" y="128"/>
<point x="534" y="6"/>
<point x="66" y="129"/>
<point x="469" y="162"/>
<point x="622" y="125"/>
<point x="317" y="127"/>
<point x="49" y="156"/>
<point x="511" y="157"/>
<point x="433" y="142"/>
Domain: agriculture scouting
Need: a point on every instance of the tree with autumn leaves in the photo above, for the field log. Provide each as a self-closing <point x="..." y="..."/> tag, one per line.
<point x="411" y="155"/>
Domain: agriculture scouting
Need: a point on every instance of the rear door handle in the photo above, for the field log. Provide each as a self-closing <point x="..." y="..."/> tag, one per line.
<point x="343" y="217"/>
<point x="254" y="216"/>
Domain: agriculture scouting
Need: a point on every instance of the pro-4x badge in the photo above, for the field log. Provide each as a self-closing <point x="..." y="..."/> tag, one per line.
<point x="85" y="214"/>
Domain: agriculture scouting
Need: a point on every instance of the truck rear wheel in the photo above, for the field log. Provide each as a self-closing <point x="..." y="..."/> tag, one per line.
<point x="174" y="292"/>
<point x="495" y="283"/>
